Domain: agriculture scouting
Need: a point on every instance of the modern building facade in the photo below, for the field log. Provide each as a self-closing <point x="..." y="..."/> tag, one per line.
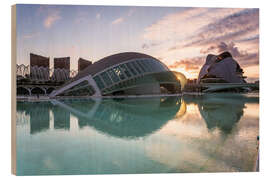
<point x="61" y="69"/>
<point x="83" y="63"/>
<point x="39" y="67"/>
<point x="128" y="73"/>
<point x="221" y="69"/>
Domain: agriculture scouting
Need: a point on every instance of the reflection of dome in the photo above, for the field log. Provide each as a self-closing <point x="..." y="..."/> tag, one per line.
<point x="222" y="68"/>
<point x="128" y="118"/>
<point x="126" y="73"/>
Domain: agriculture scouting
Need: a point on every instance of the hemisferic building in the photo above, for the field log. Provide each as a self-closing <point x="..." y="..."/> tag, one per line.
<point x="128" y="73"/>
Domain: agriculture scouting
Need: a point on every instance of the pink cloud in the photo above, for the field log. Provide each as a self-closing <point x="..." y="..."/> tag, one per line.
<point x="51" y="19"/>
<point x="118" y="21"/>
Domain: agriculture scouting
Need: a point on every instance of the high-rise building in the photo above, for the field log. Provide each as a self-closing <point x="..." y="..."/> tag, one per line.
<point x="39" y="67"/>
<point x="61" y="69"/>
<point x="62" y="63"/>
<point x="83" y="63"/>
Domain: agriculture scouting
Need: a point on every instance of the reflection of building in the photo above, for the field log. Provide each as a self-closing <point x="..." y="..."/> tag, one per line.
<point x="39" y="67"/>
<point x="83" y="63"/>
<point x="61" y="118"/>
<point x="39" y="115"/>
<point x="221" y="69"/>
<point x="127" y="118"/>
<point x="122" y="74"/>
<point x="221" y="111"/>
<point x="61" y="69"/>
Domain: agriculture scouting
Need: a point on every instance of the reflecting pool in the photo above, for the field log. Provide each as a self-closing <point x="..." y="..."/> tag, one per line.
<point x="208" y="133"/>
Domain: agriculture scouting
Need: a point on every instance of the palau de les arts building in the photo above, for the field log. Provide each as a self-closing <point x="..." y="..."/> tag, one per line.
<point x="221" y="69"/>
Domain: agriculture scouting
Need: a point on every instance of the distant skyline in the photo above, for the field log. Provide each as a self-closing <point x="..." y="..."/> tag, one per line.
<point x="180" y="37"/>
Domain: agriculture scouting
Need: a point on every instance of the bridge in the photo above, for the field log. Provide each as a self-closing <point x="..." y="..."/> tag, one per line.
<point x="34" y="89"/>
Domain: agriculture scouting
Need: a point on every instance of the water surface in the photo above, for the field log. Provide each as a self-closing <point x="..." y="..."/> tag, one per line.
<point x="209" y="133"/>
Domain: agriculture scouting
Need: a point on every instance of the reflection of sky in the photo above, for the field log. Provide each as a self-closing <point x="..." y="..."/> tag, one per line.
<point x="183" y="144"/>
<point x="180" y="37"/>
<point x="186" y="144"/>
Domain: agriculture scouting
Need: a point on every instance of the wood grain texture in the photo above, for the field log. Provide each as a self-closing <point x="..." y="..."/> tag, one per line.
<point x="13" y="88"/>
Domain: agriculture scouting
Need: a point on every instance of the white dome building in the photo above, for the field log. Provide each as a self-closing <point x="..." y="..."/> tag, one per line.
<point x="221" y="69"/>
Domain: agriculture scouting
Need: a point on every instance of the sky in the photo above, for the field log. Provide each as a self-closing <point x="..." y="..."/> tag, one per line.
<point x="180" y="37"/>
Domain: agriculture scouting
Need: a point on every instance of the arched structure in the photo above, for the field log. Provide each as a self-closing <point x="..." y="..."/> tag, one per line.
<point x="38" y="90"/>
<point x="23" y="91"/>
<point x="127" y="73"/>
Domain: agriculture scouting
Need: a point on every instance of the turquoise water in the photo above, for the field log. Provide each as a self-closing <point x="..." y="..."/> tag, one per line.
<point x="209" y="133"/>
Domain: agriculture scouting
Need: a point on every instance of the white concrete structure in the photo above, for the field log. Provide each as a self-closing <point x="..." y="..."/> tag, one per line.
<point x="222" y="67"/>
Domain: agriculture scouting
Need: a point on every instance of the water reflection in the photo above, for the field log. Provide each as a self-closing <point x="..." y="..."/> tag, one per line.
<point x="210" y="133"/>
<point x="39" y="115"/>
<point x="61" y="118"/>
<point x="128" y="118"/>
<point x="221" y="111"/>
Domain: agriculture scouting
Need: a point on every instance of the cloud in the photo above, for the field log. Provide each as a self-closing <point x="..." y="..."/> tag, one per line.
<point x="192" y="33"/>
<point x="183" y="25"/>
<point x="242" y="56"/>
<point x="188" y="63"/>
<point x="98" y="15"/>
<point x="254" y="39"/>
<point x="222" y="46"/>
<point x="30" y="36"/>
<point x="201" y="27"/>
<point x="51" y="19"/>
<point x="118" y="21"/>
<point x="145" y="46"/>
<point x="121" y="19"/>
<point x="130" y="12"/>
<point x="244" y="23"/>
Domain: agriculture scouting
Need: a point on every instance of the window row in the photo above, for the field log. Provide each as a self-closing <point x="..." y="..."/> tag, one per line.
<point x="127" y="71"/>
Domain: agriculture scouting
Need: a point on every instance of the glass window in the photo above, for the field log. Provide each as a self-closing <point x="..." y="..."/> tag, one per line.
<point x="161" y="66"/>
<point x="150" y="65"/>
<point x="145" y="65"/>
<point x="157" y="66"/>
<point x="106" y="78"/>
<point x="154" y="66"/>
<point x="119" y="72"/>
<point x="125" y="70"/>
<point x="141" y="66"/>
<point x="131" y="69"/>
<point x="136" y="67"/>
<point x="99" y="82"/>
<point x="113" y="75"/>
